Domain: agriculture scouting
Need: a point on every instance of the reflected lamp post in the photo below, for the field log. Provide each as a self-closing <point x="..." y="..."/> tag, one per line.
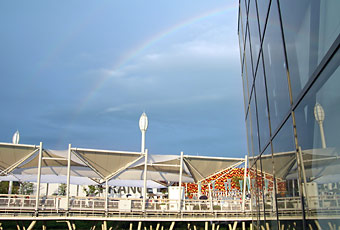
<point x="319" y="115"/>
<point x="143" y="126"/>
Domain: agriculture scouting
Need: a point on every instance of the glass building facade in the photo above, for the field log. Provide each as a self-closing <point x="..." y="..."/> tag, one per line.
<point x="290" y="57"/>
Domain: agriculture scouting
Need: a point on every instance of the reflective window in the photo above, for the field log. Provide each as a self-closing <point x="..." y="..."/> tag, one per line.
<point x="275" y="69"/>
<point x="245" y="87"/>
<point x="268" y="188"/>
<point x="318" y="130"/>
<point x="285" y="166"/>
<point x="241" y="39"/>
<point x="262" y="6"/>
<point x="262" y="109"/>
<point x="249" y="138"/>
<point x="254" y="31"/>
<point x="253" y="115"/>
<point x="248" y="64"/>
<point x="310" y="28"/>
<point x="244" y="15"/>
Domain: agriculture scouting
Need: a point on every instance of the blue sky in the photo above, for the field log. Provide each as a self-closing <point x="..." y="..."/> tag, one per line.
<point x="82" y="72"/>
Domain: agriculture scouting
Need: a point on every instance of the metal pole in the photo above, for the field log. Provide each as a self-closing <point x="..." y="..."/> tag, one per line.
<point x="303" y="175"/>
<point x="143" y="142"/>
<point x="244" y="180"/>
<point x="106" y="197"/>
<point x="38" y="179"/>
<point x="180" y="182"/>
<point x="145" y="172"/>
<point x="322" y="134"/>
<point x="210" y="198"/>
<point x="68" y="177"/>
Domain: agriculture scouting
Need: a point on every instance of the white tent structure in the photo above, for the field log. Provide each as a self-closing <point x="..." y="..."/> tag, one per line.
<point x="90" y="166"/>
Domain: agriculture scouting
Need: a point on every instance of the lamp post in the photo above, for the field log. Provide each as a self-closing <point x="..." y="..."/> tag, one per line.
<point x="319" y="115"/>
<point x="143" y="126"/>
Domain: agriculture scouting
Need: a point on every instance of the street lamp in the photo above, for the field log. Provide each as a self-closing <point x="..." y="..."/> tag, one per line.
<point x="319" y="115"/>
<point x="143" y="126"/>
<point x="16" y="138"/>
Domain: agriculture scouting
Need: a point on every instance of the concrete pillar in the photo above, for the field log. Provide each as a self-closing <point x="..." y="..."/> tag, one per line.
<point x="139" y="225"/>
<point x="157" y="227"/>
<point x="131" y="225"/>
<point x="206" y="225"/>
<point x="243" y="225"/>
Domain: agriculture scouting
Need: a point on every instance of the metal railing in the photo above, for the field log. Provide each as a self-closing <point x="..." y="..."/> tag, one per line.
<point x="56" y="205"/>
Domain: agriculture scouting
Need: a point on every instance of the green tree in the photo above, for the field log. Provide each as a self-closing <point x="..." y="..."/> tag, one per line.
<point x="62" y="189"/>
<point x="26" y="188"/>
<point x="93" y="190"/>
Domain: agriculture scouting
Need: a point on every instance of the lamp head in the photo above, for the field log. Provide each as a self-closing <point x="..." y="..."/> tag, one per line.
<point x="143" y="122"/>
<point x="319" y="113"/>
<point x="16" y="137"/>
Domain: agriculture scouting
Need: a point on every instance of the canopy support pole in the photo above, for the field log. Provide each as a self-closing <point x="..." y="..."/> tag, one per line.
<point x="145" y="172"/>
<point x="303" y="175"/>
<point x="106" y="197"/>
<point x="38" y="180"/>
<point x="180" y="183"/>
<point x="244" y="182"/>
<point x="68" y="178"/>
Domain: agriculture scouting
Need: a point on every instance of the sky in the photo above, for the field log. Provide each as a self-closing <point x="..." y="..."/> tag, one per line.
<point x="83" y="72"/>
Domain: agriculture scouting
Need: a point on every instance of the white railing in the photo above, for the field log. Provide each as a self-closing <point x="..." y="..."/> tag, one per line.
<point x="58" y="204"/>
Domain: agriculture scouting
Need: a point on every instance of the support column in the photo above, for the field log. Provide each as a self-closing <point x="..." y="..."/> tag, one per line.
<point x="317" y="224"/>
<point x="157" y="227"/>
<point x="180" y="182"/>
<point x="145" y="172"/>
<point x="131" y="226"/>
<point x="38" y="179"/>
<point x="244" y="182"/>
<point x="243" y="225"/>
<point x="139" y="225"/>
<point x="104" y="225"/>
<point x="206" y="227"/>
<point x="68" y="178"/>
<point x="235" y="225"/>
<point x="210" y="198"/>
<point x="106" y="198"/>
<point x="172" y="225"/>
<point x="32" y="225"/>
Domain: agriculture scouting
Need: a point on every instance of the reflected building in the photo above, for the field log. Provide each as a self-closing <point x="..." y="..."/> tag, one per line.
<point x="290" y="59"/>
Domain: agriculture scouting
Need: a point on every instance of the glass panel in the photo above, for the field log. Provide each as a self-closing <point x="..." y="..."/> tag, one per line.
<point x="248" y="64"/>
<point x="318" y="130"/>
<point x="249" y="139"/>
<point x="254" y="131"/>
<point x="262" y="109"/>
<point x="244" y="15"/>
<point x="275" y="69"/>
<point x="268" y="188"/>
<point x="310" y="28"/>
<point x="262" y="6"/>
<point x="255" y="198"/>
<point x="260" y="194"/>
<point x="285" y="166"/>
<point x="241" y="40"/>
<point x="254" y="32"/>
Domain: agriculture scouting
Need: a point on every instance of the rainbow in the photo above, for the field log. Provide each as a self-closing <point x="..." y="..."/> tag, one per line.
<point x="136" y="51"/>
